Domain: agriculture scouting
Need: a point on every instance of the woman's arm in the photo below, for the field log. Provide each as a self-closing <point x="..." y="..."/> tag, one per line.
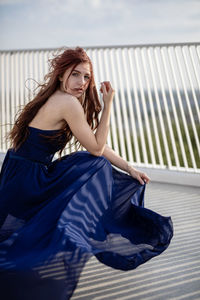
<point x="120" y="163"/>
<point x="72" y="112"/>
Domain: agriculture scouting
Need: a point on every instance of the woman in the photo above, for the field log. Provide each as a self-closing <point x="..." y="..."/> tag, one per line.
<point x="56" y="214"/>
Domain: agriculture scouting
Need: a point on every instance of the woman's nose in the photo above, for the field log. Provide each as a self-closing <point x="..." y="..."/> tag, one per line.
<point x="82" y="80"/>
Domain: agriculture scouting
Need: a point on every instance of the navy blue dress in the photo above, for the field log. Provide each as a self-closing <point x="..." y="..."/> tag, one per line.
<point x="54" y="215"/>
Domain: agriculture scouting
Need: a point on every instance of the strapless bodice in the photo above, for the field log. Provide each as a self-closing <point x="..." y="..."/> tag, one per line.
<point x="37" y="146"/>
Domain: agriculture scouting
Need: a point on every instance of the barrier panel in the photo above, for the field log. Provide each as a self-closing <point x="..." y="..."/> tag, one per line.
<point x="155" y="120"/>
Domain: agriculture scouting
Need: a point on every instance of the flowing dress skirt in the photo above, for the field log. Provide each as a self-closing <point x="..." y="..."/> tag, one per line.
<point x="54" y="218"/>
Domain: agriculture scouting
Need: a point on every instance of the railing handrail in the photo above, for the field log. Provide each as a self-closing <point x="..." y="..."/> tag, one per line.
<point x="103" y="47"/>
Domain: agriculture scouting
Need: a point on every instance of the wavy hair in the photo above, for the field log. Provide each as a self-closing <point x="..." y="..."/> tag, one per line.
<point x="70" y="58"/>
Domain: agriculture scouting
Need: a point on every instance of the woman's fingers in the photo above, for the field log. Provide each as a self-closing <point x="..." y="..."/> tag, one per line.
<point x="108" y="92"/>
<point x="144" y="177"/>
<point x="141" y="177"/>
<point x="106" y="87"/>
<point x="103" y="88"/>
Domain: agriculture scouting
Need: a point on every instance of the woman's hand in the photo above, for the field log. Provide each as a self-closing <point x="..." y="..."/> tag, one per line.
<point x="108" y="92"/>
<point x="140" y="176"/>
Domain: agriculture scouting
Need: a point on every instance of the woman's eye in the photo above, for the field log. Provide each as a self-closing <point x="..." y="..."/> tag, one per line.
<point x="74" y="74"/>
<point x="86" y="77"/>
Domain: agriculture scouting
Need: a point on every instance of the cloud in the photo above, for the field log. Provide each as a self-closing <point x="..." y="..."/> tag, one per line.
<point x="11" y="2"/>
<point x="53" y="23"/>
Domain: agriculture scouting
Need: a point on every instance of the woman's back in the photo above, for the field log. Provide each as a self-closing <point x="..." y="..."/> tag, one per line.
<point x="50" y="114"/>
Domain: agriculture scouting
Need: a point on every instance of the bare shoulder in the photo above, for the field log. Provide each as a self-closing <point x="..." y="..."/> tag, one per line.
<point x="63" y="101"/>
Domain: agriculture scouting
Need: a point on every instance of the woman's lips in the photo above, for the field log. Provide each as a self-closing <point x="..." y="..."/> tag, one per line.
<point x="75" y="91"/>
<point x="79" y="90"/>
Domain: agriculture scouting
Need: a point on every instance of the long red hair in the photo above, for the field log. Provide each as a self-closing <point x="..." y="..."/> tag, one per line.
<point x="58" y="65"/>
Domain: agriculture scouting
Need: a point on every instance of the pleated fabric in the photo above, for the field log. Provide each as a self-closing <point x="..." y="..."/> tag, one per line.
<point x="54" y="215"/>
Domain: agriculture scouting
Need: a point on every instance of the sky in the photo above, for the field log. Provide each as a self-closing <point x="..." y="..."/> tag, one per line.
<point x="35" y="24"/>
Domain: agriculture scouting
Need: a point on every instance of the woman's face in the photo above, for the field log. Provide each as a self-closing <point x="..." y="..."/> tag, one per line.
<point x="77" y="82"/>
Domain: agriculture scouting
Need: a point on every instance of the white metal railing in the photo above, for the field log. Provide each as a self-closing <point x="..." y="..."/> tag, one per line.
<point x="155" y="120"/>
